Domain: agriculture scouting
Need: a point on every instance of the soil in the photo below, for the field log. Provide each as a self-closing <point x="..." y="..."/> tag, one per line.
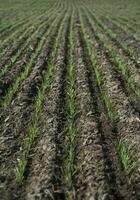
<point x="99" y="173"/>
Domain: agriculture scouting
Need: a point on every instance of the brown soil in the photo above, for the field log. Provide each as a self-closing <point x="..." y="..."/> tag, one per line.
<point x="99" y="173"/>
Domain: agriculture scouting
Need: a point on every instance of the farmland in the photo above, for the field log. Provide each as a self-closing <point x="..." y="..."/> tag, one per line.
<point x="69" y="100"/>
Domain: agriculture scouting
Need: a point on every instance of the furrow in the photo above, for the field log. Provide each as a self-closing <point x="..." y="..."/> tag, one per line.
<point x="13" y="39"/>
<point x="132" y="52"/>
<point x="92" y="158"/>
<point x="42" y="175"/>
<point x="18" y="113"/>
<point x="127" y="29"/>
<point x="127" y="119"/>
<point x="27" y="69"/>
<point x="71" y="113"/>
<point x="117" y="176"/>
<point x="29" y="23"/>
<point x="118" y="61"/>
<point x="10" y="30"/>
<point x="44" y="152"/>
<point x="19" y="66"/>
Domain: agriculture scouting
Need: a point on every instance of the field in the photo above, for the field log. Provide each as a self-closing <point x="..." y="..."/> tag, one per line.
<point x="69" y="100"/>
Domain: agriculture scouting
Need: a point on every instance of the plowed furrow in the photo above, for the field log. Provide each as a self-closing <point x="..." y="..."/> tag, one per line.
<point x="127" y="118"/>
<point x="128" y="49"/>
<point x="122" y="25"/>
<point x="46" y="155"/>
<point x="109" y="138"/>
<point x="9" y="60"/>
<point x="117" y="60"/>
<point x="58" y="181"/>
<point x="5" y="43"/>
<point x="124" y="29"/>
<point x="124" y="84"/>
<point x="13" y="54"/>
<point x="38" y="67"/>
<point x="19" y="66"/>
<point x="15" y="36"/>
<point x="92" y="151"/>
<point x="9" y="148"/>
<point x="8" y="50"/>
<point x="12" y="29"/>
<point x="28" y="86"/>
<point x="71" y="112"/>
<point x="119" y="23"/>
<point x="132" y="65"/>
<point x="69" y="100"/>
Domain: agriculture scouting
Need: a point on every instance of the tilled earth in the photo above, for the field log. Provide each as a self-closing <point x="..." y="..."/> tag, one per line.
<point x="69" y="101"/>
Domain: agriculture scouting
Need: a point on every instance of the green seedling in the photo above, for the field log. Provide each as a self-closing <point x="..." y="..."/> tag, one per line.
<point x="39" y="100"/>
<point x="127" y="162"/>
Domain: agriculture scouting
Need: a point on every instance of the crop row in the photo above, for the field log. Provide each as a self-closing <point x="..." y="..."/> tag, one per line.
<point x="115" y="37"/>
<point x="69" y="104"/>
<point x="16" y="38"/>
<point x="33" y="129"/>
<point x="28" y="67"/>
<point x="117" y="60"/>
<point x="71" y="112"/>
<point x="125" y="152"/>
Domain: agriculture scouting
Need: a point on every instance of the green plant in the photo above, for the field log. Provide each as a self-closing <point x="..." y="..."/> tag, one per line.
<point x="33" y="128"/>
<point x="12" y="90"/>
<point x="115" y="37"/>
<point x="71" y="112"/>
<point x="127" y="162"/>
<point x="115" y="57"/>
<point x="109" y="108"/>
<point x="98" y="74"/>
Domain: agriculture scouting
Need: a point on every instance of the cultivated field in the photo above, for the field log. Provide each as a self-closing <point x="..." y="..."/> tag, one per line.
<point x="69" y="100"/>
